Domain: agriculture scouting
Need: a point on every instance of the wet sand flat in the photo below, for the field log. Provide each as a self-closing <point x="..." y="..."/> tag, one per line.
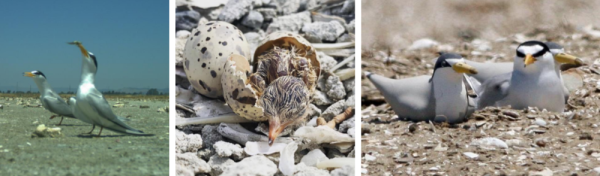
<point x="77" y="153"/>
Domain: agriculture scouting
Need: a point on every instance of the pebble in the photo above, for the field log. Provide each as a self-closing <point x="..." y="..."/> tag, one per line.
<point x="226" y="149"/>
<point x="218" y="163"/>
<point x="471" y="155"/>
<point x="267" y="13"/>
<point x="335" y="88"/>
<point x="540" y="122"/>
<point x="292" y="23"/>
<point x="186" y="20"/>
<point x="251" y="166"/>
<point x="334" y="109"/>
<point x="234" y="10"/>
<point x="192" y="163"/>
<point x="187" y="142"/>
<point x="422" y="44"/>
<point x="313" y="157"/>
<point x="254" y="19"/>
<point x="318" y="32"/>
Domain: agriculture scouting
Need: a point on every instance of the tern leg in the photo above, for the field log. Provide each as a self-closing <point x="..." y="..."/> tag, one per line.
<point x="51" y="117"/>
<point x="100" y="131"/>
<point x="92" y="129"/>
<point x="61" y="119"/>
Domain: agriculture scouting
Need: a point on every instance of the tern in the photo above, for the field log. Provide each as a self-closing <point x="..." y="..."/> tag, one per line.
<point x="50" y="100"/>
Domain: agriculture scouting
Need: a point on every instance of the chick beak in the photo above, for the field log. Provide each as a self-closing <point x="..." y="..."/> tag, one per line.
<point x="529" y="59"/>
<point x="464" y="68"/>
<point x="568" y="59"/>
<point x="275" y="128"/>
<point x="28" y="74"/>
<point x="84" y="52"/>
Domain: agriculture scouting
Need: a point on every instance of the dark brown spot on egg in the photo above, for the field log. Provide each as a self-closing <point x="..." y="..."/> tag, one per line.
<point x="246" y="100"/>
<point x="203" y="65"/>
<point x="224" y="43"/>
<point x="197" y="33"/>
<point x="207" y="38"/>
<point x="213" y="73"/>
<point x="220" y="54"/>
<point x="202" y="84"/>
<point x="209" y="29"/>
<point x="209" y="23"/>
<point x="203" y="50"/>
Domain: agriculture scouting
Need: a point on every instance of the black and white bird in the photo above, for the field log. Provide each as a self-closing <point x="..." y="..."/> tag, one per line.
<point x="50" y="100"/>
<point x="90" y="105"/>
<point x="535" y="81"/>
<point x="441" y="97"/>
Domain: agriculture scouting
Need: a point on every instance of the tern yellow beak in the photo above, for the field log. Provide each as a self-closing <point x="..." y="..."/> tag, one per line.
<point x="84" y="52"/>
<point x="464" y="68"/>
<point x="568" y="59"/>
<point x="529" y="59"/>
<point x="28" y="74"/>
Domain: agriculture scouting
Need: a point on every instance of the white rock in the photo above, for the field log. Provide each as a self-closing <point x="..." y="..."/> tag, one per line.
<point x="370" y="157"/>
<point x="327" y="62"/>
<point x="286" y="159"/>
<point x="335" y="88"/>
<point x="333" y="110"/>
<point x="322" y="134"/>
<point x="323" y="31"/>
<point x="191" y="162"/>
<point x="255" y="148"/>
<point x="303" y="170"/>
<point x="471" y="155"/>
<point x="540" y="122"/>
<point x="490" y="143"/>
<point x="234" y="10"/>
<point x="336" y="163"/>
<point x="218" y="163"/>
<point x="187" y="142"/>
<point x="423" y="43"/>
<point x="226" y="149"/>
<point x="257" y="165"/>
<point x="343" y="171"/>
<point x="313" y="157"/>
<point x="291" y="23"/>
<point x="183" y="34"/>
<point x="320" y="98"/>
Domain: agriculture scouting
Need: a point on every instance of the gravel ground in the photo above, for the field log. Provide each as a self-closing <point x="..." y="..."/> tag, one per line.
<point x="74" y="153"/>
<point x="207" y="149"/>
<point x="494" y="141"/>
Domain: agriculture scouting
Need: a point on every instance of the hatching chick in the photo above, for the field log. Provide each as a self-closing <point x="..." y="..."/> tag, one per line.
<point x="285" y="102"/>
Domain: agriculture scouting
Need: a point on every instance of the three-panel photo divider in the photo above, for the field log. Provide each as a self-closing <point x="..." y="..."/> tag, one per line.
<point x="300" y="87"/>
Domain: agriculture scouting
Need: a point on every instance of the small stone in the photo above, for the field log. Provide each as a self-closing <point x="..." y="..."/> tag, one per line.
<point x="327" y="62"/>
<point x="186" y="20"/>
<point x="191" y="162"/>
<point x="511" y="113"/>
<point x="313" y="157"/>
<point x="540" y="122"/>
<point x="234" y="10"/>
<point x="320" y="98"/>
<point x="304" y="170"/>
<point x="287" y="7"/>
<point x="323" y="31"/>
<point x="254" y="19"/>
<point x="335" y="88"/>
<point x="333" y="110"/>
<point x="471" y="155"/>
<point x="257" y="165"/>
<point x="226" y="149"/>
<point x="267" y="13"/>
<point x="422" y="44"/>
<point x="210" y="135"/>
<point x="585" y="136"/>
<point x="291" y="23"/>
<point x="218" y="163"/>
<point x="540" y="142"/>
<point x="187" y="142"/>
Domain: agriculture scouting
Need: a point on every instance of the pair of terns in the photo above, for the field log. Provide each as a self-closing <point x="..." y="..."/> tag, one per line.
<point x="533" y="79"/>
<point x="89" y="105"/>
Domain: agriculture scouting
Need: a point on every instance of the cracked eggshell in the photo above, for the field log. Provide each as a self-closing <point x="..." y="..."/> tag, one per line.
<point x="239" y="94"/>
<point x="286" y="40"/>
<point x="205" y="53"/>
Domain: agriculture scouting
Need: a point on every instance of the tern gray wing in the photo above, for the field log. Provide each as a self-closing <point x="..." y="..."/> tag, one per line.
<point x="494" y="90"/>
<point x="57" y="105"/>
<point x="110" y="120"/>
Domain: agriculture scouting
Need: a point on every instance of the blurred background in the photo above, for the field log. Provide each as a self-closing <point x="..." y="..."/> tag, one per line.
<point x="398" y="23"/>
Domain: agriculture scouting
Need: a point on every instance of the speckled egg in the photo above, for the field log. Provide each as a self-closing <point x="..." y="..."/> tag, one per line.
<point x="206" y="51"/>
<point x="239" y="94"/>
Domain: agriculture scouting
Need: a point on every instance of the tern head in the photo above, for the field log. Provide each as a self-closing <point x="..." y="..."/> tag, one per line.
<point x="35" y="74"/>
<point x="533" y="53"/>
<point x="88" y="57"/>
<point x="560" y="56"/>
<point x="285" y="103"/>
<point x="453" y="61"/>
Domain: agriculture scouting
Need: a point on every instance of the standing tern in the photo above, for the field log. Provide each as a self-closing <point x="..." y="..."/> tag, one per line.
<point x="50" y="100"/>
<point x="91" y="104"/>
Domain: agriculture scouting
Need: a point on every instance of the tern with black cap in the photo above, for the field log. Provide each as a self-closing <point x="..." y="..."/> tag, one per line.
<point x="91" y="106"/>
<point x="533" y="82"/>
<point x="441" y="97"/>
<point x="50" y="100"/>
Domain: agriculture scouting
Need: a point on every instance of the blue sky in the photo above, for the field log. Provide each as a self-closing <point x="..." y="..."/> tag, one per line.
<point x="129" y="38"/>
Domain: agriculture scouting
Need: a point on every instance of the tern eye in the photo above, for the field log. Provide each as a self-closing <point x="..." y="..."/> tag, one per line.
<point x="520" y="54"/>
